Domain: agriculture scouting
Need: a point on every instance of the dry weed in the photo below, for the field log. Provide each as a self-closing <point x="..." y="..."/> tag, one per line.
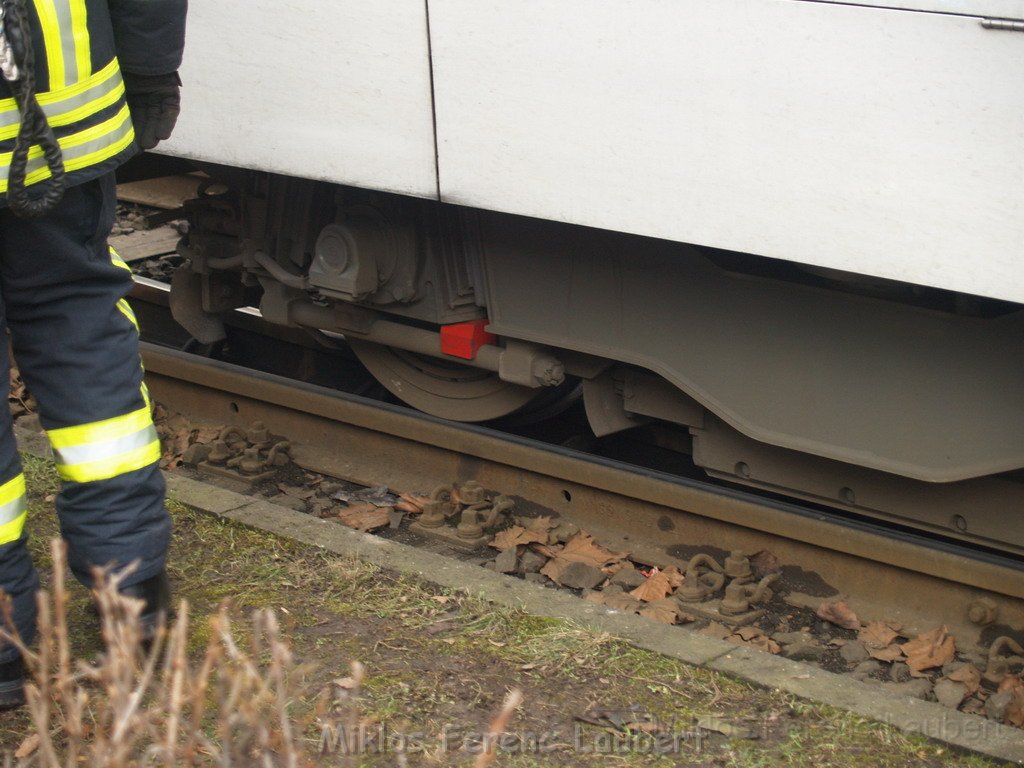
<point x="141" y="704"/>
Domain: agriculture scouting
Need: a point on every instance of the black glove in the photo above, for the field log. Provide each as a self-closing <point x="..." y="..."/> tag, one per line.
<point x="154" y="101"/>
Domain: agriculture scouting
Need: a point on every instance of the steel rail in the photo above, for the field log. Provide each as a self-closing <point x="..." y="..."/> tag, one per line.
<point x="661" y="519"/>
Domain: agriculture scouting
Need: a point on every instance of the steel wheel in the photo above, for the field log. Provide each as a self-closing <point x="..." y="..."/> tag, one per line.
<point x="440" y="388"/>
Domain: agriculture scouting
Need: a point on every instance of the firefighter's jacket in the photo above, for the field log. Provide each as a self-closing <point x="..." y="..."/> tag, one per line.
<point x="80" y="47"/>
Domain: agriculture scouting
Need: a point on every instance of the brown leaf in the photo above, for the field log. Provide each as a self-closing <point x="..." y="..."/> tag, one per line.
<point x="515" y="535"/>
<point x="716" y="630"/>
<point x="655" y="587"/>
<point x="665" y="610"/>
<point x="889" y="653"/>
<point x="675" y="576"/>
<point x="877" y="634"/>
<point x="206" y="435"/>
<point x="615" y="598"/>
<point x="755" y="638"/>
<point x="416" y="501"/>
<point x="763" y="563"/>
<point x="296" y="491"/>
<point x="541" y="524"/>
<point x="365" y="517"/>
<point x="748" y="633"/>
<point x="580" y="548"/>
<point x="969" y="675"/>
<point x="838" y="613"/>
<point x="28" y="746"/>
<point x="929" y="649"/>
<point x="1015" y="710"/>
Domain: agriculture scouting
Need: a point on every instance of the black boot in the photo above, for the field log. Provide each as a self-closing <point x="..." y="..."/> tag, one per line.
<point x="12" y="684"/>
<point x="155" y="592"/>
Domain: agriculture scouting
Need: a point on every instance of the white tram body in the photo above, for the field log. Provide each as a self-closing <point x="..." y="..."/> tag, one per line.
<point x="805" y="216"/>
<point x="887" y="142"/>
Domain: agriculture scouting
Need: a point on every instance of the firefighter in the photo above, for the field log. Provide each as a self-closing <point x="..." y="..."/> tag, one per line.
<point x="104" y="75"/>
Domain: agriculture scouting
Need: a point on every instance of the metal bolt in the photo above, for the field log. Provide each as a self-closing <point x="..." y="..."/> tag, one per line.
<point x="437" y="509"/>
<point x="737" y="565"/>
<point x="735" y="600"/>
<point x="693" y="590"/>
<point x="982" y="611"/>
<point x="470" y="525"/>
<point x="258" y="433"/>
<point x="219" y="453"/>
<point x="471" y="493"/>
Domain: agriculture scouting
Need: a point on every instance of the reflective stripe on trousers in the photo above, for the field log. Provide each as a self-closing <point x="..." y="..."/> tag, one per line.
<point x="105" y="449"/>
<point x="12" y="509"/>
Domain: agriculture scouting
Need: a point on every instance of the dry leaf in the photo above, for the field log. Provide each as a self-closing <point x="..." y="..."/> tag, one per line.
<point x="838" y="613"/>
<point x="655" y="587"/>
<point x="877" y="634"/>
<point x="580" y="548"/>
<point x="665" y="611"/>
<point x="716" y="630"/>
<point x="365" y="517"/>
<point x="296" y="491"/>
<point x="969" y="675"/>
<point x="748" y="633"/>
<point x="675" y="576"/>
<point x="763" y="563"/>
<point x="889" y="653"/>
<point x="206" y="435"/>
<point x="348" y="683"/>
<point x="620" y="601"/>
<point x="723" y="726"/>
<point x="541" y="524"/>
<point x="515" y="535"/>
<point x="413" y="500"/>
<point x="28" y="746"/>
<point x="755" y="638"/>
<point x="765" y="643"/>
<point x="929" y="649"/>
<point x="1015" y="711"/>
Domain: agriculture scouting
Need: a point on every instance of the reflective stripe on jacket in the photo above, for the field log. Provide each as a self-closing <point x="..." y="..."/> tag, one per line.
<point x="79" y="86"/>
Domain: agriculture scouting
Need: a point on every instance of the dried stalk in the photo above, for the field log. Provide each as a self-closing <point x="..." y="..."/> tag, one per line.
<point x="131" y="708"/>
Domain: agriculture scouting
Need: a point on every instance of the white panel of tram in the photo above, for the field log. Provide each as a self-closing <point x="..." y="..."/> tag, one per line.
<point x="325" y="89"/>
<point x="884" y="142"/>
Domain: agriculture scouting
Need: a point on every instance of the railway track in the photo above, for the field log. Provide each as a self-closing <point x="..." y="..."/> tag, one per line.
<point x="889" y="574"/>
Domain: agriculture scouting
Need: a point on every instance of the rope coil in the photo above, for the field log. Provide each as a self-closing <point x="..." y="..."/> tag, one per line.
<point x="34" y="128"/>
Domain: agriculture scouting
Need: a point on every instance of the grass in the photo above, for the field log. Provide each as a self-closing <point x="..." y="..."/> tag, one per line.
<point x="435" y="657"/>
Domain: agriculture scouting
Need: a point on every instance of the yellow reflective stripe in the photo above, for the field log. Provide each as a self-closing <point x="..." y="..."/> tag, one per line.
<point x="89" y="108"/>
<point x="12" y="490"/>
<point x="100" y="431"/>
<point x="104" y="449"/>
<point x="93" y="145"/>
<point x="60" y="101"/>
<point x="117" y="260"/>
<point x="126" y="310"/>
<point x="53" y="95"/>
<point x="12" y="509"/>
<point x="52" y="41"/>
<point x="80" y="29"/>
<point x="144" y="388"/>
<point x="12" y="531"/>
<point x="104" y="469"/>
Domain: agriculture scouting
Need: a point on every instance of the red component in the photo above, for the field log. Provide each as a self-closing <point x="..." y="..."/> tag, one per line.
<point x="464" y="339"/>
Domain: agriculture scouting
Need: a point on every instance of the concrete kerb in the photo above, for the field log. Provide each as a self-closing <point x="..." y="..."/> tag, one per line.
<point x="802" y="680"/>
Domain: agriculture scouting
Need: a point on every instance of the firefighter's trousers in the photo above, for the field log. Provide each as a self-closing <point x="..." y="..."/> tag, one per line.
<point x="75" y="340"/>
